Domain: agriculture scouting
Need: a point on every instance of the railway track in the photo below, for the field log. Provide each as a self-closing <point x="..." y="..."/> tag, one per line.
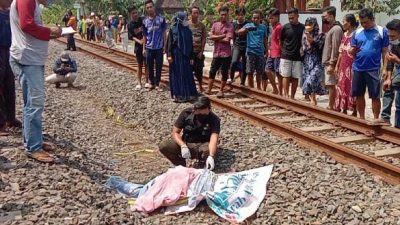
<point x="345" y="138"/>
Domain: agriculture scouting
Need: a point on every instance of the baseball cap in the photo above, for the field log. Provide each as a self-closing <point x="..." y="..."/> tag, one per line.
<point x="92" y="14"/>
<point x="64" y="57"/>
<point x="202" y="102"/>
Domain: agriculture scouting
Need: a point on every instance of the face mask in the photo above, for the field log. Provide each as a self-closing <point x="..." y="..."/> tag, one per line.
<point x="185" y="23"/>
<point x="395" y="42"/>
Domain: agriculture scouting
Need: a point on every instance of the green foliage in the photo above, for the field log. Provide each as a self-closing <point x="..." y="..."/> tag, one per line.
<point x="385" y="6"/>
<point x="54" y="13"/>
<point x="210" y="8"/>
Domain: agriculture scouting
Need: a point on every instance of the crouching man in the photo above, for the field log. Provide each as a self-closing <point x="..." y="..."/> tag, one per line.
<point x="64" y="71"/>
<point x="194" y="136"/>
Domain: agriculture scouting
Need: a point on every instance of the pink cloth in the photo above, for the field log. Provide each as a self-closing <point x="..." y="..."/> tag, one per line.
<point x="222" y="49"/>
<point x="167" y="189"/>
<point x="276" y="50"/>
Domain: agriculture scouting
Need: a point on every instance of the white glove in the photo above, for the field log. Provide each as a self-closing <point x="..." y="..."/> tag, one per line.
<point x="210" y="163"/>
<point x="185" y="152"/>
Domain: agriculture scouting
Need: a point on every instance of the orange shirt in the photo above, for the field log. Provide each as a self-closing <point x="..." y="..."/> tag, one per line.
<point x="72" y="22"/>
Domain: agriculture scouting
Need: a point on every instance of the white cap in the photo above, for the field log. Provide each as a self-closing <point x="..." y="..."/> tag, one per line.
<point x="92" y="14"/>
<point x="64" y="57"/>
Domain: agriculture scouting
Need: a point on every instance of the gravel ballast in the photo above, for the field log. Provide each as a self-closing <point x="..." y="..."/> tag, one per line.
<point x="104" y="116"/>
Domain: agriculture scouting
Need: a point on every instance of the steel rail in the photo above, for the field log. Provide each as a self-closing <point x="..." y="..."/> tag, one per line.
<point x="380" y="132"/>
<point x="341" y="153"/>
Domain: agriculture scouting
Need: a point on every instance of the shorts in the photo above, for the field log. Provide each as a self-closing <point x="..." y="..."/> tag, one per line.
<point x="222" y="63"/>
<point x="198" y="65"/>
<point x="139" y="54"/>
<point x="289" y="68"/>
<point x="330" y="79"/>
<point x="362" y="80"/>
<point x="255" y="63"/>
<point x="273" y="64"/>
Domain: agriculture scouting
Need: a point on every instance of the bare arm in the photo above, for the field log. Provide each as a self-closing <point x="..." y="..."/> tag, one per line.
<point x="213" y="144"/>
<point x="385" y="61"/>
<point x="214" y="37"/>
<point x="242" y="31"/>
<point x="176" y="135"/>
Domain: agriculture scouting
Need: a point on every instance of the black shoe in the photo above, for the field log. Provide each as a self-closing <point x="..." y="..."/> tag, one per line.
<point x="67" y="49"/>
<point x="58" y="85"/>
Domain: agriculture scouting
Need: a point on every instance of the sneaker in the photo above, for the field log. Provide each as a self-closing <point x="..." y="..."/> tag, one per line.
<point x="147" y="85"/>
<point x="58" y="85"/>
<point x="138" y="87"/>
<point x="229" y="81"/>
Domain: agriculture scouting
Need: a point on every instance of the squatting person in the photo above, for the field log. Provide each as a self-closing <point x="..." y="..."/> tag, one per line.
<point x="64" y="71"/>
<point x="195" y="135"/>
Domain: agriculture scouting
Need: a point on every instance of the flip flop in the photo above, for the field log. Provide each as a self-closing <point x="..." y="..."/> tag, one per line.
<point x="41" y="156"/>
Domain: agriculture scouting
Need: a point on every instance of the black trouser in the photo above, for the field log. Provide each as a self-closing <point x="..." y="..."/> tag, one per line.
<point x="198" y="65"/>
<point x="237" y="55"/>
<point x="218" y="63"/>
<point x="7" y="88"/>
<point x="71" y="42"/>
<point x="172" y="151"/>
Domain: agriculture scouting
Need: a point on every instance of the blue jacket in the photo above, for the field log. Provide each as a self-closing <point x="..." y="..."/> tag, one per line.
<point x="61" y="68"/>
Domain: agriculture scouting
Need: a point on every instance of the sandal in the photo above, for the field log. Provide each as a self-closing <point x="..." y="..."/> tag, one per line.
<point x="40" y="156"/>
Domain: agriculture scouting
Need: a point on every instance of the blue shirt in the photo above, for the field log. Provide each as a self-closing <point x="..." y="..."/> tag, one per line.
<point x="5" y="29"/>
<point x="371" y="43"/>
<point x="154" y="30"/>
<point x="115" y="23"/>
<point x="256" y="38"/>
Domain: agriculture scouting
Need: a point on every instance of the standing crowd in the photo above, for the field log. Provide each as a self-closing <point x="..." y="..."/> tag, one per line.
<point x="342" y="62"/>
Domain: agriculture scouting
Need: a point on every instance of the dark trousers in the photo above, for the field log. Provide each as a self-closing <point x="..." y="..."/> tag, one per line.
<point x="198" y="65"/>
<point x="154" y="56"/>
<point x="390" y="96"/>
<point x="237" y="56"/>
<point x="172" y="151"/>
<point x="7" y="88"/>
<point x="71" y="42"/>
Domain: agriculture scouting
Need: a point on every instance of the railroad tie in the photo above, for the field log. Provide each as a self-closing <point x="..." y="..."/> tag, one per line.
<point x="349" y="139"/>
<point x="319" y="128"/>
<point x="388" y="152"/>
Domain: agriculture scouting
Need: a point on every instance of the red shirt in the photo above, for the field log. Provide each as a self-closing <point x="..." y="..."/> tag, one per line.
<point x="222" y="49"/>
<point x="275" y="50"/>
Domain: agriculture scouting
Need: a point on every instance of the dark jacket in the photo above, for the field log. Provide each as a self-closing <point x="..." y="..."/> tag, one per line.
<point x="61" y="68"/>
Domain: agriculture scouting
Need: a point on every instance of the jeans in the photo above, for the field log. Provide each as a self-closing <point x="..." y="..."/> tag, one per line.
<point x="31" y="79"/>
<point x="387" y="101"/>
<point x="172" y="151"/>
<point x="154" y="55"/>
<point x="7" y="88"/>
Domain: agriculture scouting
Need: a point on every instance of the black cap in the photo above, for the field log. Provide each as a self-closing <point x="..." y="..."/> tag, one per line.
<point x="202" y="102"/>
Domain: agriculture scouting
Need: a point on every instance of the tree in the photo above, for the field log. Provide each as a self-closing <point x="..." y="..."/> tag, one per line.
<point x="388" y="6"/>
